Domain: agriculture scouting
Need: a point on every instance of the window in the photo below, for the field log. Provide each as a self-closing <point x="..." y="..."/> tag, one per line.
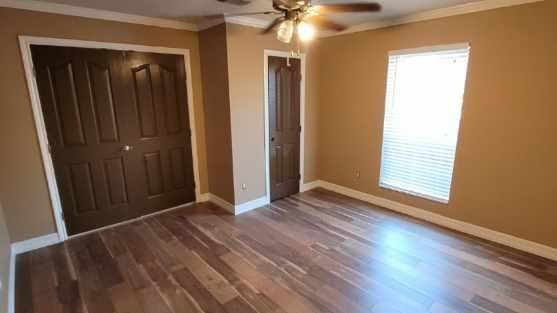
<point x="425" y="88"/>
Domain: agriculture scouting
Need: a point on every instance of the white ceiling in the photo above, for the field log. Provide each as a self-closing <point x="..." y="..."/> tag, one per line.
<point x="193" y="10"/>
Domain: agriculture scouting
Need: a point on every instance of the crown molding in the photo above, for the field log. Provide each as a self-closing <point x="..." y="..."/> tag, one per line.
<point x="65" y="9"/>
<point x="460" y="9"/>
<point x="247" y="21"/>
<point x="238" y="20"/>
<point x="57" y="8"/>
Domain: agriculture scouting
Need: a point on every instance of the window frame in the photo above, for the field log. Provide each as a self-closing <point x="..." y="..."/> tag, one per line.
<point x="425" y="50"/>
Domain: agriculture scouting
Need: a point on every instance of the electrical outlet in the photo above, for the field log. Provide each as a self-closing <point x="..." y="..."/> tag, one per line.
<point x="244" y="187"/>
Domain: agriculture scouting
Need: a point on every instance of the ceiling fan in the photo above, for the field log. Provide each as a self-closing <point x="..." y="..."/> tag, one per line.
<point x="302" y="17"/>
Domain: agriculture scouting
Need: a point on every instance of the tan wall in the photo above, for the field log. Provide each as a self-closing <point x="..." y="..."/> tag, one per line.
<point x="23" y="187"/>
<point x="5" y="253"/>
<point x="312" y="136"/>
<point x="506" y="160"/>
<point x="214" y="70"/>
<point x="245" y="72"/>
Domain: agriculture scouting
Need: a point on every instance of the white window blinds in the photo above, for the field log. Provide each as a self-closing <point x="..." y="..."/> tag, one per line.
<point x="425" y="88"/>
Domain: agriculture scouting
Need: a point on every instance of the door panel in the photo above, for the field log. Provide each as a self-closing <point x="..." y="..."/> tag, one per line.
<point x="83" y="194"/>
<point x="284" y="126"/>
<point x="103" y="102"/>
<point x="66" y="106"/>
<point x="80" y="94"/>
<point x="116" y="182"/>
<point x="143" y="90"/>
<point x="98" y="102"/>
<point x="167" y="175"/>
<point x="173" y="109"/>
<point x="177" y="167"/>
<point x="153" y="173"/>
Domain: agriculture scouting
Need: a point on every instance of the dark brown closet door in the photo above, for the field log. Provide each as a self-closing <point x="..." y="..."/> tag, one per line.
<point x="284" y="126"/>
<point x="118" y="133"/>
<point x="162" y="142"/>
<point x="83" y="101"/>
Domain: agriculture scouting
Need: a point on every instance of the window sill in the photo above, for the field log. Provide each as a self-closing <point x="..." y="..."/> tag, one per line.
<point x="413" y="193"/>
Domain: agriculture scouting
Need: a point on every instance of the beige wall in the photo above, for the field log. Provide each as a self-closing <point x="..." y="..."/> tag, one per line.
<point x="214" y="70"/>
<point x="234" y="98"/>
<point x="312" y="136"/>
<point x="245" y="72"/>
<point x="23" y="187"/>
<point x="5" y="253"/>
<point x="506" y="160"/>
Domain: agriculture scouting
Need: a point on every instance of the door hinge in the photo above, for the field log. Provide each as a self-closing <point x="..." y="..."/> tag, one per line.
<point x="300" y="128"/>
<point x="34" y="71"/>
<point x="63" y="216"/>
<point x="299" y="176"/>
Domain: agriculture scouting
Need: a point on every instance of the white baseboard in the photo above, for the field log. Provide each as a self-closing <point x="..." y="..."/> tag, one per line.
<point x="34" y="243"/>
<point x="22" y="247"/>
<point x="310" y="185"/>
<point x="203" y="197"/>
<point x="11" y="283"/>
<point x="238" y="208"/>
<point x="250" y="205"/>
<point x="220" y="202"/>
<point x="471" y="229"/>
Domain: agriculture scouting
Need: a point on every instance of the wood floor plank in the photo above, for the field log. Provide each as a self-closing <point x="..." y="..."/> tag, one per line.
<point x="124" y="299"/>
<point x="92" y="291"/>
<point x="286" y="298"/>
<point x="194" y="287"/>
<point x="23" y="285"/>
<point x="304" y="256"/>
<point x="312" y="252"/>
<point x="256" y="299"/>
<point x="210" y="278"/>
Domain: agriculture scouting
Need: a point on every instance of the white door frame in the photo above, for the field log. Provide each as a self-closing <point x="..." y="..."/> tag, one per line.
<point x="25" y="43"/>
<point x="302" y="58"/>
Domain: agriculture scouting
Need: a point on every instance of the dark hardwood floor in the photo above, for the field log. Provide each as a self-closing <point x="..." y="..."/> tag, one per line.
<point x="313" y="252"/>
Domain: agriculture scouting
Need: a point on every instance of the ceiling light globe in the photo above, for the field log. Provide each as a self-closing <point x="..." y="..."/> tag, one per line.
<point x="285" y="31"/>
<point x="306" y="31"/>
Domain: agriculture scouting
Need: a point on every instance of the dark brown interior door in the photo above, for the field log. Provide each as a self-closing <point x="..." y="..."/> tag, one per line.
<point x="161" y="145"/>
<point x="117" y="130"/>
<point x="284" y="78"/>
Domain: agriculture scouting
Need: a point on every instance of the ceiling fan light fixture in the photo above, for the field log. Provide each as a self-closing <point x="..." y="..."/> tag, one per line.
<point x="285" y="31"/>
<point x="306" y="31"/>
<point x="303" y="18"/>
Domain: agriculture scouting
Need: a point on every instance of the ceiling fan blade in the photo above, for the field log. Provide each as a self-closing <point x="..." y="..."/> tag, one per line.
<point x="273" y="24"/>
<point x="223" y="15"/>
<point x="253" y="13"/>
<point x="325" y="23"/>
<point x="236" y="2"/>
<point x="348" y="7"/>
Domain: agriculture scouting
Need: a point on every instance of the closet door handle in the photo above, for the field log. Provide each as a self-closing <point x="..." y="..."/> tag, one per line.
<point x="127" y="148"/>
